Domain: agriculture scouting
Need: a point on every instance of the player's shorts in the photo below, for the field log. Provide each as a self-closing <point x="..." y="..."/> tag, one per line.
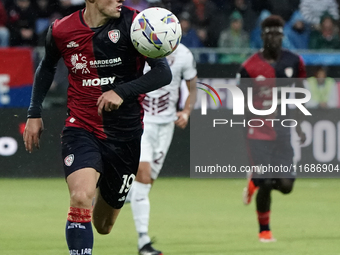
<point x="155" y="144"/>
<point x="276" y="157"/>
<point x="116" y="161"/>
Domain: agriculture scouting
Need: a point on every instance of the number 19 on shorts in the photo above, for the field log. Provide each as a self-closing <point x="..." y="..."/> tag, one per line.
<point x="127" y="182"/>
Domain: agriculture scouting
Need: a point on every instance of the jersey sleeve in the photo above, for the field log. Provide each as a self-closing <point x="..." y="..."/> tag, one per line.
<point x="189" y="69"/>
<point x="159" y="76"/>
<point x="44" y="76"/>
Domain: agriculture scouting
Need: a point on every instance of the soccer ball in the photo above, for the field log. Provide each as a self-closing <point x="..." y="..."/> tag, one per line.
<point x="155" y="32"/>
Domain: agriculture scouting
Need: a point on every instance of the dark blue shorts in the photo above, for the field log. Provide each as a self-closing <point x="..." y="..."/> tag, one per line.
<point x="116" y="161"/>
<point x="274" y="156"/>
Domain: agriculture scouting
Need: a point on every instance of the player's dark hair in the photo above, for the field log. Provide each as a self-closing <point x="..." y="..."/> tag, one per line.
<point x="272" y="21"/>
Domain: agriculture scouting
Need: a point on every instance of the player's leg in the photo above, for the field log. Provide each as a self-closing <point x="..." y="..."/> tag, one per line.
<point x="104" y="215"/>
<point x="155" y="144"/>
<point x="260" y="153"/>
<point x="263" y="203"/>
<point x="119" y="163"/>
<point x="82" y="162"/>
<point x="284" y="185"/>
<point x="281" y="155"/>
<point x="251" y="187"/>
<point x="140" y="202"/>
<point x="284" y="154"/>
<point x="82" y="187"/>
<point x="139" y="193"/>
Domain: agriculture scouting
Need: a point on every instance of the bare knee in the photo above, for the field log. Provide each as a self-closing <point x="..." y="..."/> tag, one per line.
<point x="286" y="189"/>
<point x="285" y="186"/>
<point x="81" y="199"/>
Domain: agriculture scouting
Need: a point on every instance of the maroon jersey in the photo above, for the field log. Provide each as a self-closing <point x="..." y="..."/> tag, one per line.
<point x="100" y="59"/>
<point x="262" y="76"/>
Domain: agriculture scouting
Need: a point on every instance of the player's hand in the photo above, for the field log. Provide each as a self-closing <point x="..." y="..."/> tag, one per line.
<point x="32" y="132"/>
<point x="182" y="120"/>
<point x="108" y="101"/>
<point x="301" y="134"/>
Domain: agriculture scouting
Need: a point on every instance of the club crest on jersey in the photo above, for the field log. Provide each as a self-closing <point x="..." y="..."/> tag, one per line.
<point x="79" y="62"/>
<point x="289" y="72"/>
<point x="114" y="35"/>
<point x="69" y="160"/>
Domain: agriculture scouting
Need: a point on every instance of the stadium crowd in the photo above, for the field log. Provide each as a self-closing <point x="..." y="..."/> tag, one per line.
<point x="223" y="24"/>
<point x="310" y="24"/>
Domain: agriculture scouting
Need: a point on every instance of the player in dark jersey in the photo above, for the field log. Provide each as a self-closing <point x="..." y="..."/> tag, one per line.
<point x="270" y="145"/>
<point x="101" y="137"/>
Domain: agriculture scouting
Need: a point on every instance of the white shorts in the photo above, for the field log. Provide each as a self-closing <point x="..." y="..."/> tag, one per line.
<point x="155" y="144"/>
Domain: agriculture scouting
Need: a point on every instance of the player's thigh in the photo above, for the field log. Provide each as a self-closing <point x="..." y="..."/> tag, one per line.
<point x="120" y="164"/>
<point x="149" y="141"/>
<point x="283" y="160"/>
<point x="80" y="149"/>
<point x="259" y="151"/>
<point x="260" y="154"/>
<point x="82" y="187"/>
<point x="283" y="151"/>
<point x="165" y="134"/>
<point x="82" y="164"/>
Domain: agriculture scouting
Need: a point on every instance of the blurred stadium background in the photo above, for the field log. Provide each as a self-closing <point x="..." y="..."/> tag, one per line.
<point x="200" y="216"/>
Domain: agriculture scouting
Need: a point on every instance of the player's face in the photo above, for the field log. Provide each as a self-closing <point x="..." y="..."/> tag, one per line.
<point x="110" y="8"/>
<point x="272" y="38"/>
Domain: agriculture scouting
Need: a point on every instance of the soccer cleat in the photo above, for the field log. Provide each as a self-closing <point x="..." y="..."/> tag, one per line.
<point x="266" y="237"/>
<point x="249" y="191"/>
<point x="149" y="250"/>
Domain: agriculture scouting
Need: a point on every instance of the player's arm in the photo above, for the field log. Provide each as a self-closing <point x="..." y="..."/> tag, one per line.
<point x="183" y="116"/>
<point x="159" y="76"/>
<point x="42" y="82"/>
<point x="298" y="114"/>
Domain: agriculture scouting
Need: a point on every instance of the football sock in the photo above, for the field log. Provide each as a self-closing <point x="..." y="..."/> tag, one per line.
<point x="79" y="235"/>
<point x="263" y="199"/>
<point x="140" y="205"/>
<point x="143" y="239"/>
<point x="263" y="218"/>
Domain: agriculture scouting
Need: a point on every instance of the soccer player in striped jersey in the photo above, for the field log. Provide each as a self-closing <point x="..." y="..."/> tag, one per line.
<point x="270" y="144"/>
<point x="101" y="137"/>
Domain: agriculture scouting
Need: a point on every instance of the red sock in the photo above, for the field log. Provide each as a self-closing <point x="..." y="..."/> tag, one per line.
<point x="79" y="215"/>
<point x="79" y="235"/>
<point x="263" y="218"/>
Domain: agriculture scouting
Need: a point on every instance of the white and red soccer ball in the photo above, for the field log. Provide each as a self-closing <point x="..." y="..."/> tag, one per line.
<point x="156" y="32"/>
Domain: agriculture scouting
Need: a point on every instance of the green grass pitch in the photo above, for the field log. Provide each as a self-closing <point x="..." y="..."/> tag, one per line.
<point x="188" y="217"/>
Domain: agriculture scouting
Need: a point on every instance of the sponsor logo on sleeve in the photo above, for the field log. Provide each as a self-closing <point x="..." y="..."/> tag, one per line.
<point x="72" y="44"/>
